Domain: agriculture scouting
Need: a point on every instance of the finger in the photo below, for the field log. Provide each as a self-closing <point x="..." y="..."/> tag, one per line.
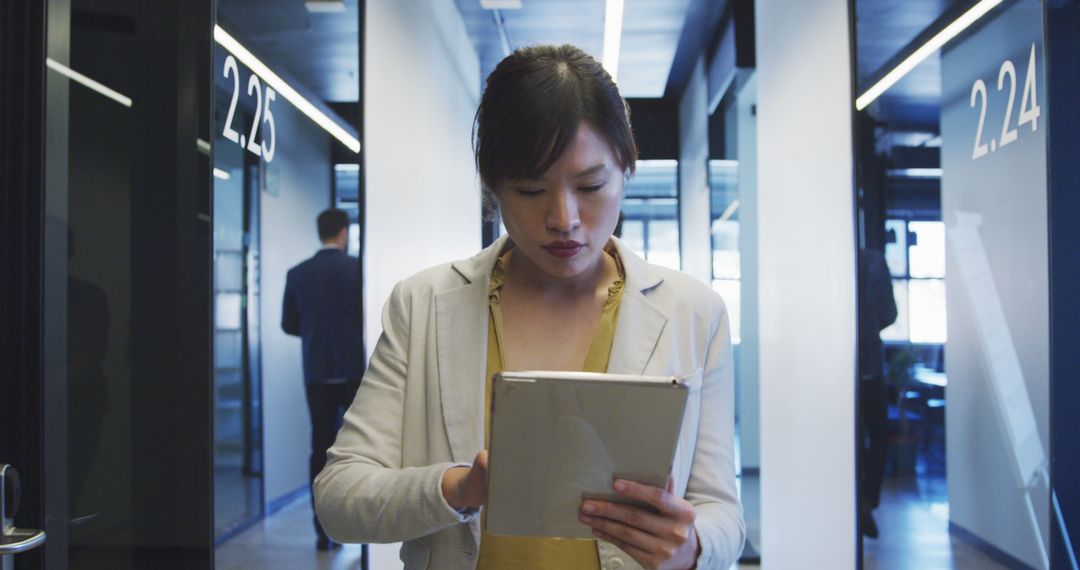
<point x="670" y="483"/>
<point x="664" y="528"/>
<point x="649" y="543"/>
<point x="482" y="459"/>
<point x="665" y="502"/>
<point x="644" y="558"/>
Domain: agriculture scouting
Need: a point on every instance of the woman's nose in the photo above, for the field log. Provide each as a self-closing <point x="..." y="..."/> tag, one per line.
<point x="563" y="215"/>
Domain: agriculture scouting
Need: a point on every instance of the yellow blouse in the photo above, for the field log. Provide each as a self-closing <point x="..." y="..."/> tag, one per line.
<point x="529" y="553"/>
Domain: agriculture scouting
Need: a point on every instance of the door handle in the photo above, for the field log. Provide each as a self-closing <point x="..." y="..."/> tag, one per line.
<point x="14" y="540"/>
<point x="19" y="540"/>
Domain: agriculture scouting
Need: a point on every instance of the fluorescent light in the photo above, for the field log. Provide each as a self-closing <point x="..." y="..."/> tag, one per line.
<point x="914" y="172"/>
<point x="724" y="163"/>
<point x="284" y="89"/>
<point x="219" y="173"/>
<point x="933" y="44"/>
<point x="613" y="16"/>
<point x="325" y="6"/>
<point x="202" y="146"/>
<point x="347" y="167"/>
<point x="657" y="163"/>
<point x="500" y="4"/>
<point x="86" y="81"/>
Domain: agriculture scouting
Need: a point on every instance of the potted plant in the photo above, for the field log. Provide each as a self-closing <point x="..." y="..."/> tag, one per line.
<point x="903" y="445"/>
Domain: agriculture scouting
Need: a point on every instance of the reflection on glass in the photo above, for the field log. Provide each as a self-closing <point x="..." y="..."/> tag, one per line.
<point x="898" y="331"/>
<point x="927" y="254"/>
<point x="896" y="247"/>
<point x="926" y="302"/>
<point x="651" y="212"/>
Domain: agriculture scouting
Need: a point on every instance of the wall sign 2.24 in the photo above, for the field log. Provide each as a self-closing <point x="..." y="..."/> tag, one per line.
<point x="265" y="147"/>
<point x="1029" y="106"/>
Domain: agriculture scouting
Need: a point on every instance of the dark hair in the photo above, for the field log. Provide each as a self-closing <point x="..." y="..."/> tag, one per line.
<point x="533" y="103"/>
<point x="331" y="222"/>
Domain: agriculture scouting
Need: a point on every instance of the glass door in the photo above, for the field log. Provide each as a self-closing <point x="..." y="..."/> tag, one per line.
<point x="113" y="298"/>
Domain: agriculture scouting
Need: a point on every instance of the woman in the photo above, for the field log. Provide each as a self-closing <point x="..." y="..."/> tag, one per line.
<point x="554" y="149"/>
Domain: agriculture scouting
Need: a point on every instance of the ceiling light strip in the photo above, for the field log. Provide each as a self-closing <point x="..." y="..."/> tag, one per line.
<point x="219" y="173"/>
<point x="87" y="82"/>
<point x="933" y="44"/>
<point x="613" y="21"/>
<point x="284" y="89"/>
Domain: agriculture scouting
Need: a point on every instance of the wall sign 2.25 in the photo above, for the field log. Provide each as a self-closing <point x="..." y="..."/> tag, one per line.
<point x="1029" y="106"/>
<point x="264" y="147"/>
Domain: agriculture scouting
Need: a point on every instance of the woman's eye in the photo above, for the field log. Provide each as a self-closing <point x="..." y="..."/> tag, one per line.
<point x="593" y="188"/>
<point x="530" y="191"/>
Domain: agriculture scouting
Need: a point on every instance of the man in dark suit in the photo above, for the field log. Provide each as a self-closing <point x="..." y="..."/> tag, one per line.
<point x="877" y="310"/>
<point x="322" y="307"/>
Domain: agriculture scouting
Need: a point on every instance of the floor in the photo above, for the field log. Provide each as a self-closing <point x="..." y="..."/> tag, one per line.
<point x="914" y="531"/>
<point x="912" y="519"/>
<point x="284" y="540"/>
<point x="237" y="498"/>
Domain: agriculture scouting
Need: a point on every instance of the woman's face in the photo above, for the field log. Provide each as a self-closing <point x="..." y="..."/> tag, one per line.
<point x="561" y="222"/>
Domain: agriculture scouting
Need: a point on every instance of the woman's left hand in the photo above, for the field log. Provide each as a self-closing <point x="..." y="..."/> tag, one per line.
<point x="665" y="540"/>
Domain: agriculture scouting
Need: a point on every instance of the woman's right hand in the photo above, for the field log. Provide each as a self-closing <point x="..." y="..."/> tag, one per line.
<point x="466" y="487"/>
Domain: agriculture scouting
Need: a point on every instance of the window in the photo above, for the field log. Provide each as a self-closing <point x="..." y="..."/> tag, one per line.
<point x="724" y="205"/>
<point x="915" y="253"/>
<point x="347" y="198"/>
<point x="651" y="212"/>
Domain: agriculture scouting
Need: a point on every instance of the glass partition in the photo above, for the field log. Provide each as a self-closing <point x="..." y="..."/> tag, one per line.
<point x="651" y="212"/>
<point x="126" y="286"/>
<point x="284" y="149"/>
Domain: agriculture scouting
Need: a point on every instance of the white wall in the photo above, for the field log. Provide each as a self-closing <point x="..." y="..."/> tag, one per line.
<point x="423" y="198"/>
<point x="301" y="170"/>
<point x="695" y="240"/>
<point x="422" y="86"/>
<point x="806" y="284"/>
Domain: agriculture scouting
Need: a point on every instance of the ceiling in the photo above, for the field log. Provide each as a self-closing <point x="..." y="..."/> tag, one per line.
<point x="883" y="28"/>
<point x="651" y="31"/>
<point x="321" y="51"/>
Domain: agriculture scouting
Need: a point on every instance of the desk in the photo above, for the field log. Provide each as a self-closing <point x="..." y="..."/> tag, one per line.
<point x="929" y="376"/>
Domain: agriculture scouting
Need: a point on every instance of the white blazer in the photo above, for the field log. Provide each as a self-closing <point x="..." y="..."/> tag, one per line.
<point x="420" y="410"/>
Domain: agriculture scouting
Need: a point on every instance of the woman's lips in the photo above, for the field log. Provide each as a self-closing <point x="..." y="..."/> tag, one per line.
<point x="563" y="249"/>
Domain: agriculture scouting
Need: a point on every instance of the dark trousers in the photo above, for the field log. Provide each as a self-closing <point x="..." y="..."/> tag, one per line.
<point x="326" y="404"/>
<point x="874" y="411"/>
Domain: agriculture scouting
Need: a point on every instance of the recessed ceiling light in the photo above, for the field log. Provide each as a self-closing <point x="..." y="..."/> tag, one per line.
<point x="500" y="4"/>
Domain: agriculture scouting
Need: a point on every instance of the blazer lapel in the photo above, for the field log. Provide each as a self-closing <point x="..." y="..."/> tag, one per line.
<point x="461" y="325"/>
<point x="461" y="328"/>
<point x="640" y="322"/>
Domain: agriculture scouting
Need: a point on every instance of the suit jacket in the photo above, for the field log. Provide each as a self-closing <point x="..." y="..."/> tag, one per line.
<point x="877" y="310"/>
<point x="420" y="410"/>
<point x="322" y="307"/>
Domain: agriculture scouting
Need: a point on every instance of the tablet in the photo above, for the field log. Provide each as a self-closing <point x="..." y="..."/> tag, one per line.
<point x="558" y="438"/>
